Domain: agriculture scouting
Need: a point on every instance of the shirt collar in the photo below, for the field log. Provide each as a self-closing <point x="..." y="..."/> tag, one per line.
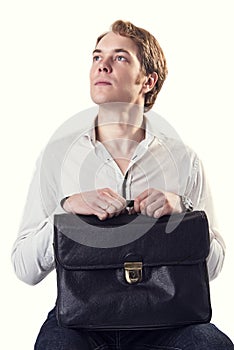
<point x="150" y="135"/>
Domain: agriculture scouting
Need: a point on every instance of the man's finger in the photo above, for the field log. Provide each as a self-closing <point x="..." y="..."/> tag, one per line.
<point x="113" y="201"/>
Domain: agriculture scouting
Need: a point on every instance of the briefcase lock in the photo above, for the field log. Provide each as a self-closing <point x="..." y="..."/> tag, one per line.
<point x="133" y="272"/>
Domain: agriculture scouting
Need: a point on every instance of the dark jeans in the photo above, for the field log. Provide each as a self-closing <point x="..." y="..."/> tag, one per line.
<point x="194" y="337"/>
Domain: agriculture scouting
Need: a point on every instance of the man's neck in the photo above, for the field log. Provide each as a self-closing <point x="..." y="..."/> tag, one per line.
<point x="118" y="121"/>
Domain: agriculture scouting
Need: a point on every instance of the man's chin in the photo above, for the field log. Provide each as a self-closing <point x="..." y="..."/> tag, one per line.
<point x="100" y="100"/>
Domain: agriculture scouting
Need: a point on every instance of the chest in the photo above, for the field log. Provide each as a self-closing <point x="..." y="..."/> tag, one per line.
<point x="123" y="164"/>
<point x="84" y="171"/>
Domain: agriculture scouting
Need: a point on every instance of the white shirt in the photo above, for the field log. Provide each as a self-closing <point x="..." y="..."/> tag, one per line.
<point x="77" y="162"/>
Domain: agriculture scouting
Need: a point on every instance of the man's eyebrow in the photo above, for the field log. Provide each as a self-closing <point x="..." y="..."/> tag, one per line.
<point x="115" y="50"/>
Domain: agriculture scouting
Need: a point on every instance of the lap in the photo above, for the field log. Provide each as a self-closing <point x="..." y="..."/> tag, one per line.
<point x="53" y="337"/>
<point x="194" y="337"/>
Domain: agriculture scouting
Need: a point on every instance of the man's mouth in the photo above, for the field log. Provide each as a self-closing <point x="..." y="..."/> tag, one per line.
<point x="102" y="83"/>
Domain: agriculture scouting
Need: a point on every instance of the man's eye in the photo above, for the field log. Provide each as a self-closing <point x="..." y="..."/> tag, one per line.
<point x="96" y="58"/>
<point x="121" y="58"/>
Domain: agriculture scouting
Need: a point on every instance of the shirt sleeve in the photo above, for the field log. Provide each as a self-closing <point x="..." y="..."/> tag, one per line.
<point x="32" y="253"/>
<point x="198" y="190"/>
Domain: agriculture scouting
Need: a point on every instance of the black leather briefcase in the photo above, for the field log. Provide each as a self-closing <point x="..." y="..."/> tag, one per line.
<point x="153" y="277"/>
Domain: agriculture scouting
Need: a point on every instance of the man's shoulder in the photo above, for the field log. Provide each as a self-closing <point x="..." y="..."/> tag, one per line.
<point x="176" y="145"/>
<point x="62" y="142"/>
<point x="166" y="135"/>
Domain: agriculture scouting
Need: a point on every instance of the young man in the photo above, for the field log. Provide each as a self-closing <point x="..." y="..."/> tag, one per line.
<point x="118" y="157"/>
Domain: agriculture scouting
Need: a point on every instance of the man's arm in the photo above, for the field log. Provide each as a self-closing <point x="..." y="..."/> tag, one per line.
<point x="32" y="253"/>
<point x="201" y="196"/>
<point x="156" y="203"/>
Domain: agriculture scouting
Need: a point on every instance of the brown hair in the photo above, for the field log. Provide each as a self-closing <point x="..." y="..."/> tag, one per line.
<point x="150" y="55"/>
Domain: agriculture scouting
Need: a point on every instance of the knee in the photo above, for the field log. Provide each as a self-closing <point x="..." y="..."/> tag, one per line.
<point x="57" y="345"/>
<point x="61" y="341"/>
<point x="208" y="337"/>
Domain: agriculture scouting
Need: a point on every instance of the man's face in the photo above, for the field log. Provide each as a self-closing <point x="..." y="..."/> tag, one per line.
<point x="115" y="75"/>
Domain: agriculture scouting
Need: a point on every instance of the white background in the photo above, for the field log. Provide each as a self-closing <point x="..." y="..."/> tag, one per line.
<point x="46" y="50"/>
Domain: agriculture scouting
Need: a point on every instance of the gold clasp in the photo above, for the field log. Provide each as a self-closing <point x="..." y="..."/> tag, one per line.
<point x="133" y="272"/>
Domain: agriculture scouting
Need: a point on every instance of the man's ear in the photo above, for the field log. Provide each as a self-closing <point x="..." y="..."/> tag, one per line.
<point x="150" y="82"/>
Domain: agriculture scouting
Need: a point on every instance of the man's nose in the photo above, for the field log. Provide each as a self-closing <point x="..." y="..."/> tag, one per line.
<point x="104" y="66"/>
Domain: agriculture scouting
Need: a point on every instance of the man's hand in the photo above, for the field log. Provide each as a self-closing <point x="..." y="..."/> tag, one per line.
<point x="156" y="203"/>
<point x="104" y="203"/>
